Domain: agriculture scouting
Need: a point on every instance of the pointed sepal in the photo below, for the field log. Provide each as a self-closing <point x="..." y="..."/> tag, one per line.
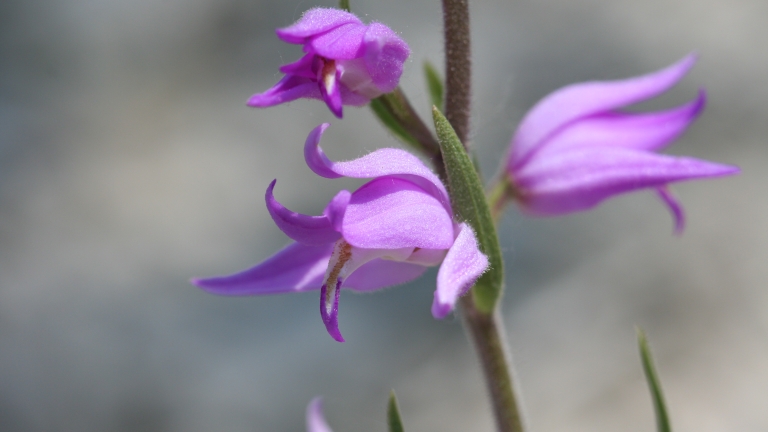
<point x="469" y="205"/>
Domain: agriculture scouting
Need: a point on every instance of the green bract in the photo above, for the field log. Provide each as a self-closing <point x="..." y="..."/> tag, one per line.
<point x="468" y="201"/>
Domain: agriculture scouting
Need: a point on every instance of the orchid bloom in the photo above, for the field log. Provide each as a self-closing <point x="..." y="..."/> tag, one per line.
<point x="315" y="418"/>
<point x="346" y="62"/>
<point x="575" y="148"/>
<point x="385" y="233"/>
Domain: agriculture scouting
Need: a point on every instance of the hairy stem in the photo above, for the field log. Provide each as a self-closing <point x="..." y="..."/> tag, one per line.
<point x="458" y="69"/>
<point x="484" y="328"/>
<point x="487" y="333"/>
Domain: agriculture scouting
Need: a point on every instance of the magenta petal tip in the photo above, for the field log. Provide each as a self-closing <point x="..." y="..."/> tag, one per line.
<point x="329" y="310"/>
<point x="440" y="310"/>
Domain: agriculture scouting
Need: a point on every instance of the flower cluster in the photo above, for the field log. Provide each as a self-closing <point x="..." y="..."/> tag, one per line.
<point x="574" y="149"/>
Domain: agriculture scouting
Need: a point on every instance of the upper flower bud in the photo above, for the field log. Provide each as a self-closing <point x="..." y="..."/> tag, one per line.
<point x="575" y="148"/>
<point x="346" y="62"/>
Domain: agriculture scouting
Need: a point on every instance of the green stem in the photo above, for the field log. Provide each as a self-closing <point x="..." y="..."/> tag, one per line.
<point x="458" y="68"/>
<point x="487" y="333"/>
<point x="499" y="195"/>
<point x="484" y="328"/>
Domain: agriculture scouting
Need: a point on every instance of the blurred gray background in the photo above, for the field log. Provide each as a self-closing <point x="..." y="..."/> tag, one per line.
<point x="129" y="163"/>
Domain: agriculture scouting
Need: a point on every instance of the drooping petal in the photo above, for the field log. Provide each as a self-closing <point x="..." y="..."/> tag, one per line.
<point x="587" y="99"/>
<point x="392" y="213"/>
<point x="647" y="131"/>
<point x="297" y="267"/>
<point x="580" y="178"/>
<point x="287" y="89"/>
<point x="385" y="54"/>
<point x="382" y="162"/>
<point x="678" y="215"/>
<point x="311" y="230"/>
<point x="315" y="157"/>
<point x="344" y="261"/>
<point x="315" y="22"/>
<point x="342" y="43"/>
<point x="463" y="264"/>
<point x="315" y="418"/>
<point x="382" y="273"/>
<point x="329" y="308"/>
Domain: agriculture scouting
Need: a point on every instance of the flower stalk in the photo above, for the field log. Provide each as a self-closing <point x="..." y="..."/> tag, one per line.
<point x="487" y="333"/>
<point x="458" y="66"/>
<point x="483" y="322"/>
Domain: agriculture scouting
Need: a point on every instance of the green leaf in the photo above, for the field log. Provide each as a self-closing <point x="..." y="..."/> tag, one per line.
<point x="344" y="5"/>
<point x="662" y="418"/>
<point x="393" y="414"/>
<point x="381" y="108"/>
<point x="469" y="204"/>
<point x="434" y="84"/>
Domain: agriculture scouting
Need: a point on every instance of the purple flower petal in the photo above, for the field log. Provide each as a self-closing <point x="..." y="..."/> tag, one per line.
<point x="342" y="43"/>
<point x="678" y="215"/>
<point x="579" y="179"/>
<point x="314" y="156"/>
<point x="297" y="267"/>
<point x="392" y="213"/>
<point x="315" y="419"/>
<point x="305" y="67"/>
<point x="287" y="89"/>
<point x="463" y="264"/>
<point x="647" y="131"/>
<point x="382" y="162"/>
<point x="311" y="230"/>
<point x="314" y="22"/>
<point x="335" y="209"/>
<point x="385" y="54"/>
<point x="382" y="273"/>
<point x="587" y="99"/>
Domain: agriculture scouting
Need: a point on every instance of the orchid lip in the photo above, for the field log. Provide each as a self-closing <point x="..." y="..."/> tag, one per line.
<point x="331" y="289"/>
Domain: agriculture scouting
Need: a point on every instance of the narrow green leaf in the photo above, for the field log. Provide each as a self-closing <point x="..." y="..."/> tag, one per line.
<point x="434" y="84"/>
<point x="393" y="414"/>
<point x="390" y="122"/>
<point x="469" y="204"/>
<point x="344" y="5"/>
<point x="662" y="418"/>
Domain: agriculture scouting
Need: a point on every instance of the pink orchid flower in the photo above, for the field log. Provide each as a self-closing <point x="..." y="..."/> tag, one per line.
<point x="385" y="233"/>
<point x="575" y="148"/>
<point x="346" y="62"/>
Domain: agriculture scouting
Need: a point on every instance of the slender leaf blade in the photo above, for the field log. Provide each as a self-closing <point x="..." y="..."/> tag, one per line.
<point x="469" y="204"/>
<point x="434" y="84"/>
<point x="393" y="414"/>
<point x="651" y="376"/>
